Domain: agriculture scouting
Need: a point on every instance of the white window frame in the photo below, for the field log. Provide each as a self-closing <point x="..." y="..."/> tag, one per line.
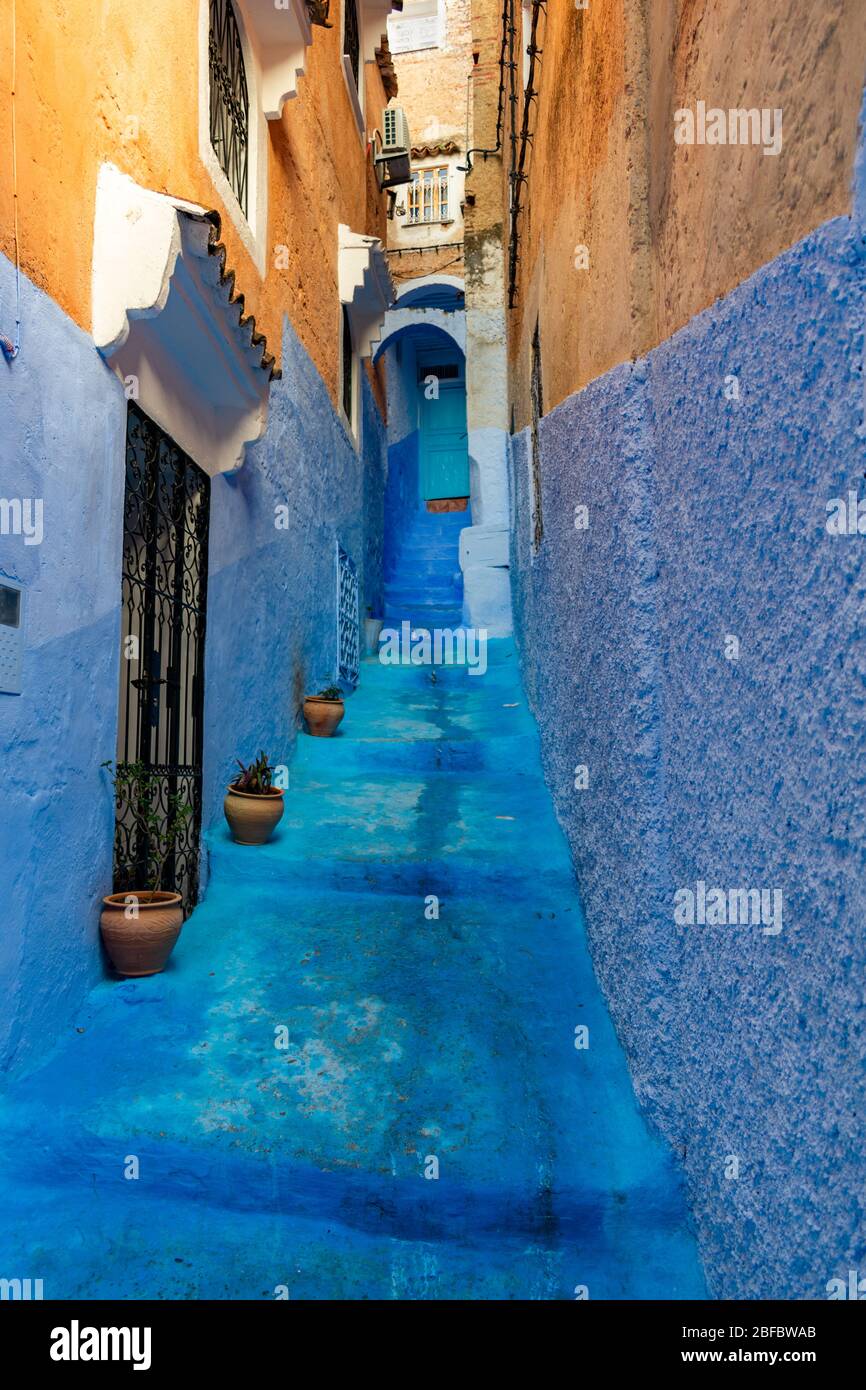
<point x="252" y="228"/>
<point x="435" y="185"/>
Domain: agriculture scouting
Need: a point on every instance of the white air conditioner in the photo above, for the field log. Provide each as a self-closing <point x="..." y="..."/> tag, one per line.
<point x="393" y="157"/>
<point x="396" y="129"/>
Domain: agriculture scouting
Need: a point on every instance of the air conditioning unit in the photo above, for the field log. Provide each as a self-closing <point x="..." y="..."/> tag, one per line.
<point x="393" y="158"/>
<point x="396" y="129"/>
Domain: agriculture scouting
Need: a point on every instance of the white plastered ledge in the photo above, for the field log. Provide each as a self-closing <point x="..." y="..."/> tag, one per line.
<point x="281" y="33"/>
<point x="164" y="315"/>
<point x="365" y="286"/>
<point x="373" y="22"/>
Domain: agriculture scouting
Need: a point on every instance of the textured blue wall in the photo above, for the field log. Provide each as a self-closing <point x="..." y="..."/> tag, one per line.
<point x="62" y="421"/>
<point x="272" y="629"/>
<point x="707" y="519"/>
<point x="402" y="495"/>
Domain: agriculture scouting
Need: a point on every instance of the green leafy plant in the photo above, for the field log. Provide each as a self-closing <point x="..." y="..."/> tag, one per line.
<point x="331" y="692"/>
<point x="257" y="778"/>
<point x="141" y="823"/>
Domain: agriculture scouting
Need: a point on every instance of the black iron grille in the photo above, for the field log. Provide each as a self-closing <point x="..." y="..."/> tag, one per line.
<point x="229" y="100"/>
<point x="352" y="41"/>
<point x="164" y="599"/>
<point x="346" y="367"/>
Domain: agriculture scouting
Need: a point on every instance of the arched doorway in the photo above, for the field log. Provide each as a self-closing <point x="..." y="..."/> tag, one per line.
<point x="426" y="375"/>
<point x="428" y="486"/>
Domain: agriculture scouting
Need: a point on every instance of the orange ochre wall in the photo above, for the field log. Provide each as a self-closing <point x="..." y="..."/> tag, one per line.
<point x="668" y="228"/>
<point x="88" y="69"/>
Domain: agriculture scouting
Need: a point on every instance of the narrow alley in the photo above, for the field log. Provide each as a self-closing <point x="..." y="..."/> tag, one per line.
<point x="432" y="660"/>
<point x="432" y="1127"/>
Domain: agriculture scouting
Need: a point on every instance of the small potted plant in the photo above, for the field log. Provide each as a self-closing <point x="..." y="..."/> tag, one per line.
<point x="372" y="631"/>
<point x="324" y="712"/>
<point x="140" y="926"/>
<point x="253" y="805"/>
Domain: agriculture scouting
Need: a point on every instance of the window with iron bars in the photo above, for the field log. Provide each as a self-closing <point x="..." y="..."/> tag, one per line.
<point x="428" y="196"/>
<point x="347" y="369"/>
<point x="229" y="98"/>
<point x="352" y="40"/>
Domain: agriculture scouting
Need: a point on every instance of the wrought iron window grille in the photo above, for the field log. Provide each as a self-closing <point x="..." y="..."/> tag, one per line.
<point x="346" y="368"/>
<point x="348" y="619"/>
<point x="352" y="40"/>
<point x="229" y="99"/>
<point x="163" y="614"/>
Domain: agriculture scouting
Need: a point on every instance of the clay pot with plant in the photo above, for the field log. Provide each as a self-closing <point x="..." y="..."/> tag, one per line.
<point x="324" y="712"/>
<point x="253" y="805"/>
<point x="141" y="925"/>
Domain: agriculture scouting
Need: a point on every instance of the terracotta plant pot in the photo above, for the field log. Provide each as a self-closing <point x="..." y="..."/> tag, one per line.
<point x="253" y="817"/>
<point x="323" y="716"/>
<point x="139" y="937"/>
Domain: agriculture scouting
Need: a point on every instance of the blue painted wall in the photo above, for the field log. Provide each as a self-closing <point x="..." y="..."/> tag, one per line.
<point x="706" y="520"/>
<point x="62" y="423"/>
<point x="272" y="630"/>
<point x="402" y="495"/>
<point x="272" y="595"/>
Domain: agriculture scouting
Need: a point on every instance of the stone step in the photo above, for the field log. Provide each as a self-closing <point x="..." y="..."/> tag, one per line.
<point x="410" y="589"/>
<point x="419" y="609"/>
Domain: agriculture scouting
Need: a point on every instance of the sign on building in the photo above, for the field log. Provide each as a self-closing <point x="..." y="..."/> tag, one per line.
<point x="421" y="25"/>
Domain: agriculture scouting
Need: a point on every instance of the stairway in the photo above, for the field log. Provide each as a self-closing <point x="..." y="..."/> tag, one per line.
<point x="415" y="928"/>
<point x="425" y="585"/>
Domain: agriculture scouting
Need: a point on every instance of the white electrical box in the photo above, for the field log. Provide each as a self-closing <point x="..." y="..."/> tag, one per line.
<point x="11" y="637"/>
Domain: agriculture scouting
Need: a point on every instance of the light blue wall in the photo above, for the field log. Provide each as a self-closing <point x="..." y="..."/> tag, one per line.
<point x="62" y="423"/>
<point x="272" y="596"/>
<point x="272" y="630"/>
<point x="402" y="495"/>
<point x="706" y="519"/>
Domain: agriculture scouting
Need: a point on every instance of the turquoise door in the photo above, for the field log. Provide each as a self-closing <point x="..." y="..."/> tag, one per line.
<point x="444" y="452"/>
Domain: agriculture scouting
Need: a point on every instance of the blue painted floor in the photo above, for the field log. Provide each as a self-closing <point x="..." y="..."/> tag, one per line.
<point x="409" y="1038"/>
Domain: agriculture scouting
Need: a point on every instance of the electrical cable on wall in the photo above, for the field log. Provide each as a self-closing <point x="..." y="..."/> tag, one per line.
<point x="467" y="167"/>
<point x="412" y="250"/>
<point x="10" y="349"/>
<point x="518" y="175"/>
